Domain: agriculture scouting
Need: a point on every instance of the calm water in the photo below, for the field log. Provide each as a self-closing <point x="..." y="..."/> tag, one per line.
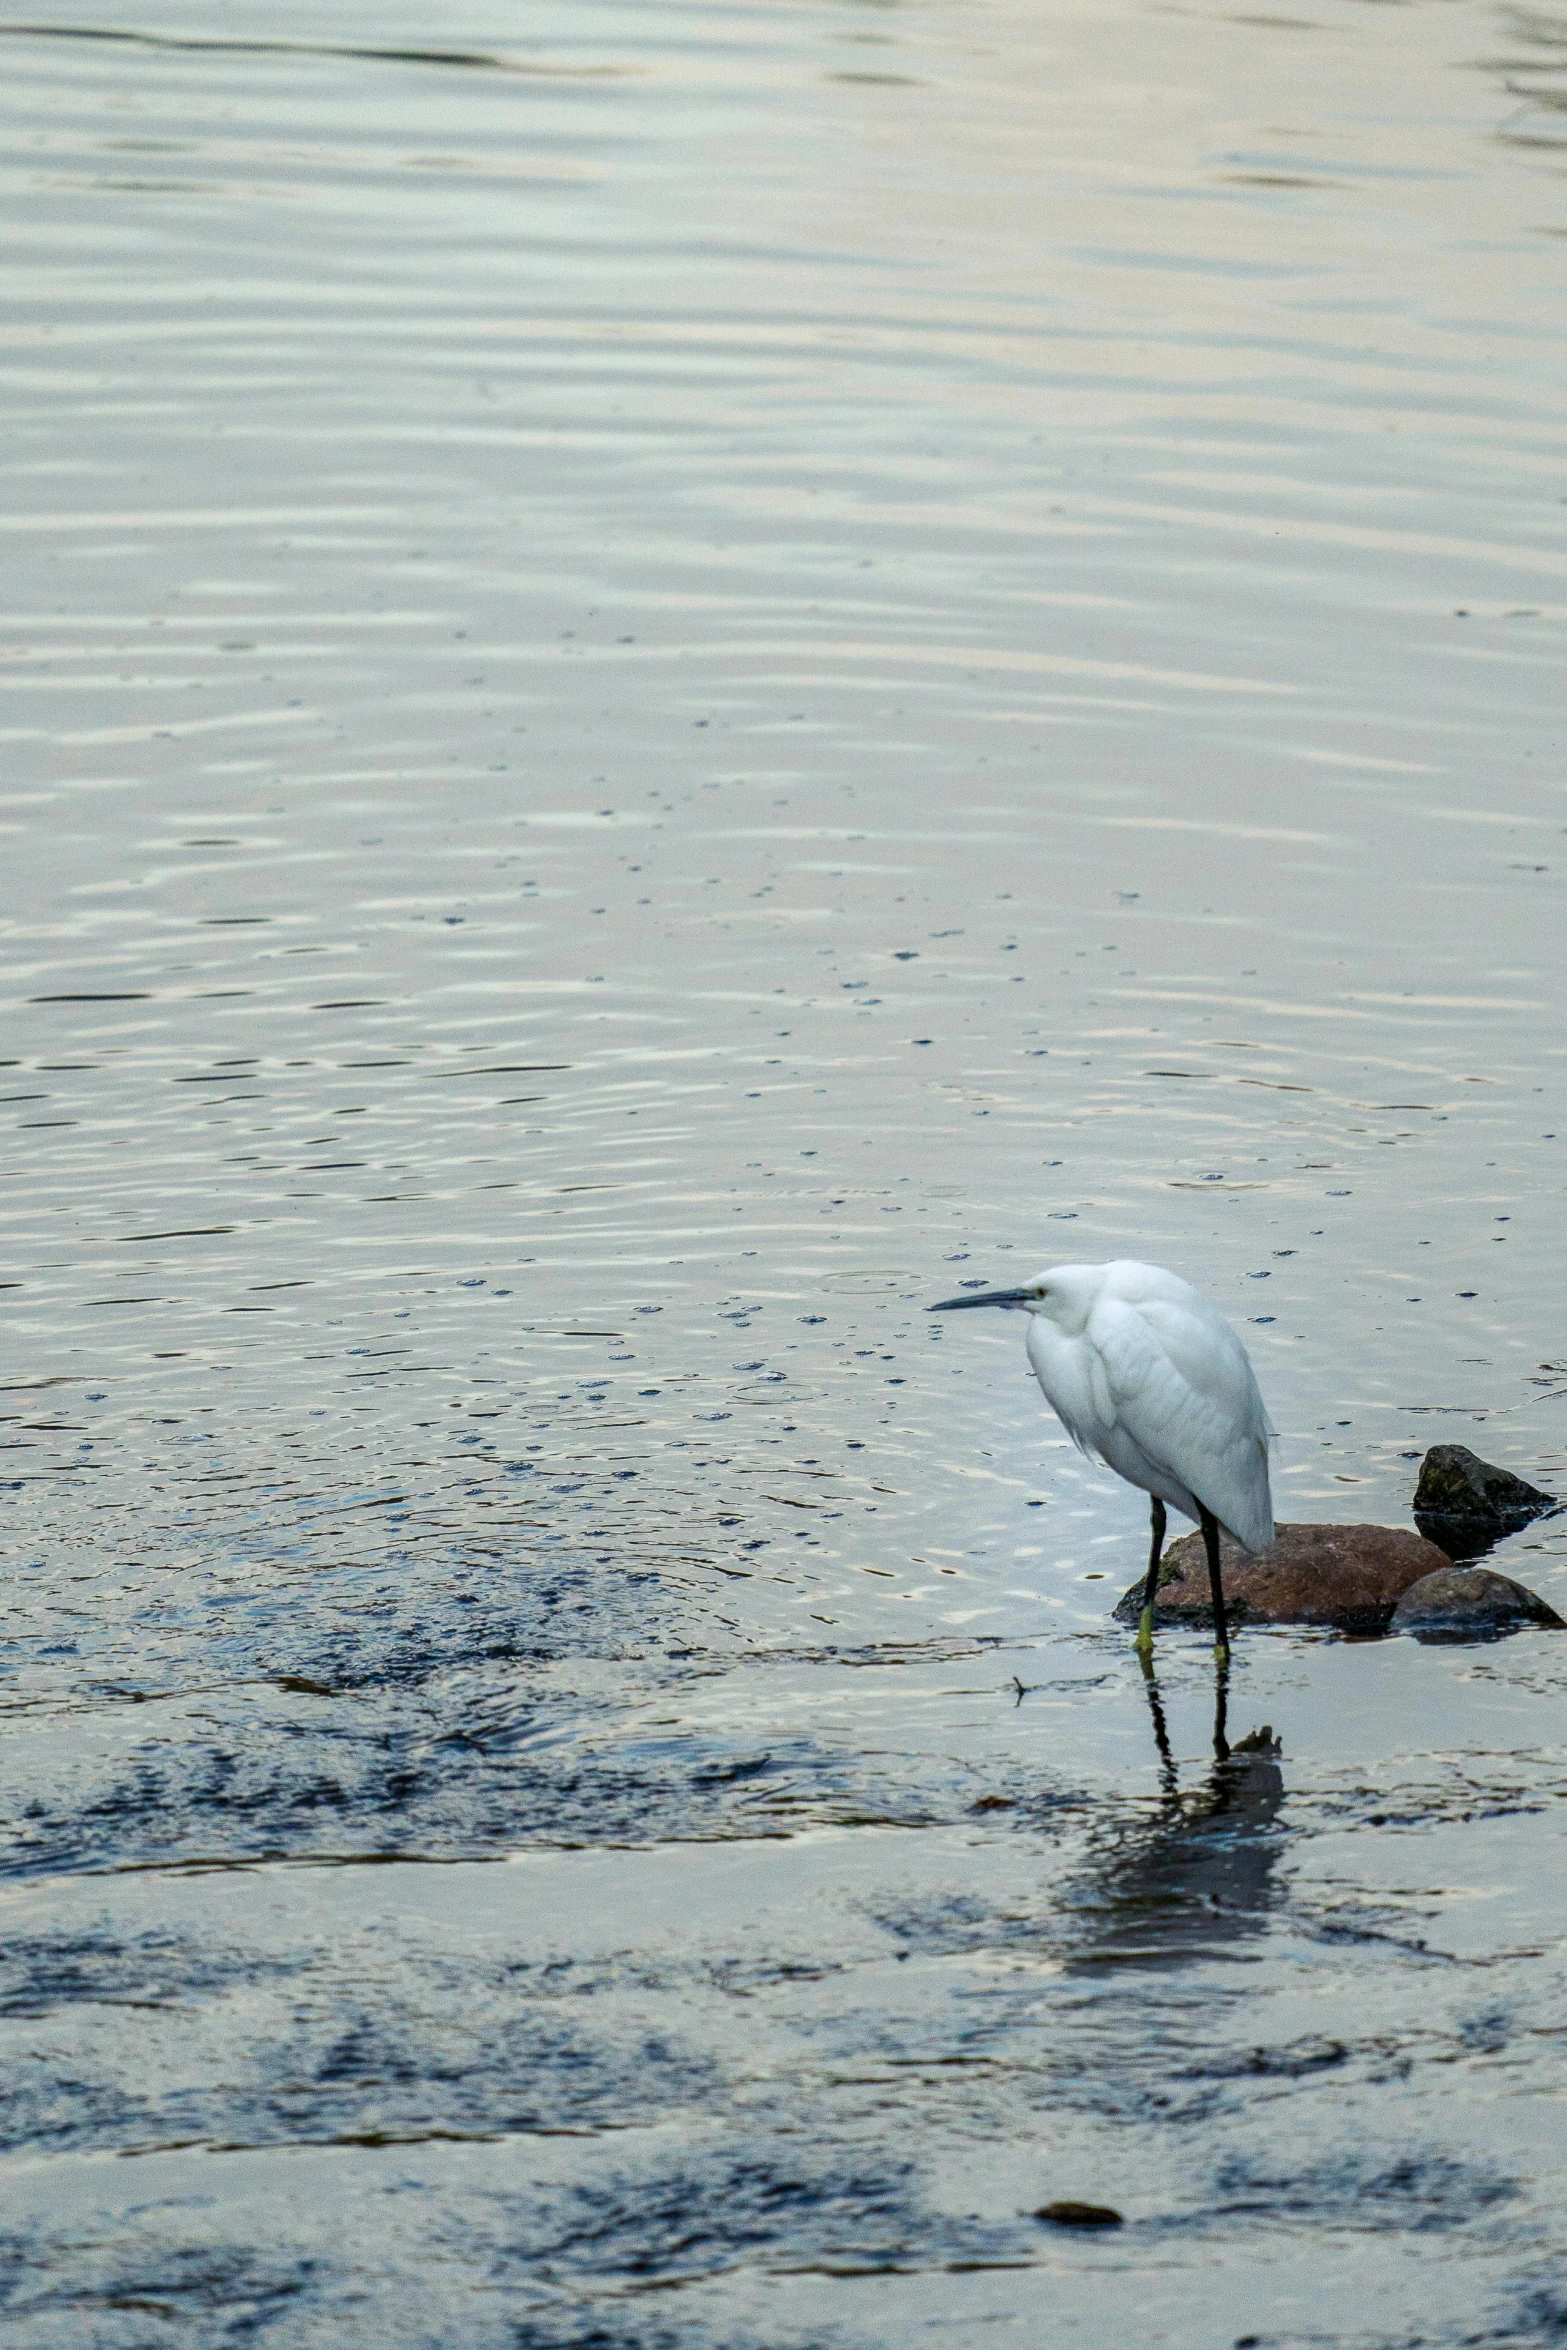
<point x="675" y="676"/>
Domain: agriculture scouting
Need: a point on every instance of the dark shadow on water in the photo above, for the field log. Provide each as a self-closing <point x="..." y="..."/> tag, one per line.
<point x="1469" y="1540"/>
<point x="467" y="59"/>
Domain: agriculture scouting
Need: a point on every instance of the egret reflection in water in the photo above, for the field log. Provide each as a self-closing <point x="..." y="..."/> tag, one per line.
<point x="1200" y="1875"/>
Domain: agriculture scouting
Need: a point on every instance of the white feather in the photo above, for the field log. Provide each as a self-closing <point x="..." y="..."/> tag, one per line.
<point x="1146" y="1376"/>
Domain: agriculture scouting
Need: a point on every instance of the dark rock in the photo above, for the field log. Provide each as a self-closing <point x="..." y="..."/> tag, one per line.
<point x="1345" y="1578"/>
<point x="1470" y="1603"/>
<point x="1466" y="1505"/>
<point x="1079" y="2215"/>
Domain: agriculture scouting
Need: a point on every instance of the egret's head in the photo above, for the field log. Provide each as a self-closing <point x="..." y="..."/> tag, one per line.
<point x="1064" y="1295"/>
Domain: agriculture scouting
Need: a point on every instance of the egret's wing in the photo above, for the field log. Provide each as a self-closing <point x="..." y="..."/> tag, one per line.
<point x="1209" y="1357"/>
<point x="1184" y="1394"/>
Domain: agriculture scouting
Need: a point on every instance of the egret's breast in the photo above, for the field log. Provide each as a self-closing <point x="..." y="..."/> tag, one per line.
<point x="1064" y="1368"/>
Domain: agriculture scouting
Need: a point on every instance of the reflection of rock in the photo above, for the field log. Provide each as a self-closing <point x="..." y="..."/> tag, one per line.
<point x="1469" y="1603"/>
<point x="1348" y="1578"/>
<point x="1201" y="1877"/>
<point x="1466" y="1504"/>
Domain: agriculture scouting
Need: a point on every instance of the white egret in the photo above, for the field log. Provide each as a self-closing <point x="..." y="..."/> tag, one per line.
<point x="1149" y="1378"/>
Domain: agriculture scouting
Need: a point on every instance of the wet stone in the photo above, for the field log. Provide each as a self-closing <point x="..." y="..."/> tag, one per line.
<point x="1466" y="1505"/>
<point x="1470" y="1603"/>
<point x="1341" y="1578"/>
<point x="1079" y="2215"/>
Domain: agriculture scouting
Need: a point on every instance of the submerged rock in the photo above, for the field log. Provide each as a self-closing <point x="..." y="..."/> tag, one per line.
<point x="1466" y="1505"/>
<point x="1470" y="1603"/>
<point x="1344" y="1578"/>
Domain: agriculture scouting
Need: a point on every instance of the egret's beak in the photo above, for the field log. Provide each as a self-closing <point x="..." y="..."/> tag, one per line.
<point x="982" y="1297"/>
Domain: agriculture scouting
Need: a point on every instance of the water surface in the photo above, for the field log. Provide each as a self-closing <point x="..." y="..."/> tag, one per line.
<point x="676" y="677"/>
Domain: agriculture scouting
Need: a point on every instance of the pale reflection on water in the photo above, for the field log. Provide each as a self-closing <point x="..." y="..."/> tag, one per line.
<point x="673" y="677"/>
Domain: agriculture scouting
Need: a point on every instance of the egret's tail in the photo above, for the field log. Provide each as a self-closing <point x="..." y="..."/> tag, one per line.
<point x="1252" y="1527"/>
<point x="1247" y="1514"/>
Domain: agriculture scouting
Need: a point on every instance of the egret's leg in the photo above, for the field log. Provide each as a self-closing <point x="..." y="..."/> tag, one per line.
<point x="1221" y="1628"/>
<point x="1151" y="1586"/>
<point x="1221" y="1707"/>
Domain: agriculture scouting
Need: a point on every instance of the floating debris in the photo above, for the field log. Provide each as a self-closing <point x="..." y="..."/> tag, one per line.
<point x="1079" y="2215"/>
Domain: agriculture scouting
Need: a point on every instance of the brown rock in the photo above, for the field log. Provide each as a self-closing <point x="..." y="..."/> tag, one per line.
<point x="1346" y="1578"/>
<point x="1470" y="1603"/>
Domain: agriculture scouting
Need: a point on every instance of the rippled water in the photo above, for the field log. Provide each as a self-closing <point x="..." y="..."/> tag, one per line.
<point x="676" y="676"/>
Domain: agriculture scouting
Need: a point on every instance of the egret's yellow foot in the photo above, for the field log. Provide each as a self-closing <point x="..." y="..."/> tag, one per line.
<point x="1145" y="1633"/>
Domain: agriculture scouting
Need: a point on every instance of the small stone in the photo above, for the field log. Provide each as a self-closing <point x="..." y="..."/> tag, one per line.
<point x="1454" y="1478"/>
<point x="1466" y="1505"/>
<point x="1470" y="1603"/>
<point x="1079" y="2215"/>
<point x="1343" y="1578"/>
